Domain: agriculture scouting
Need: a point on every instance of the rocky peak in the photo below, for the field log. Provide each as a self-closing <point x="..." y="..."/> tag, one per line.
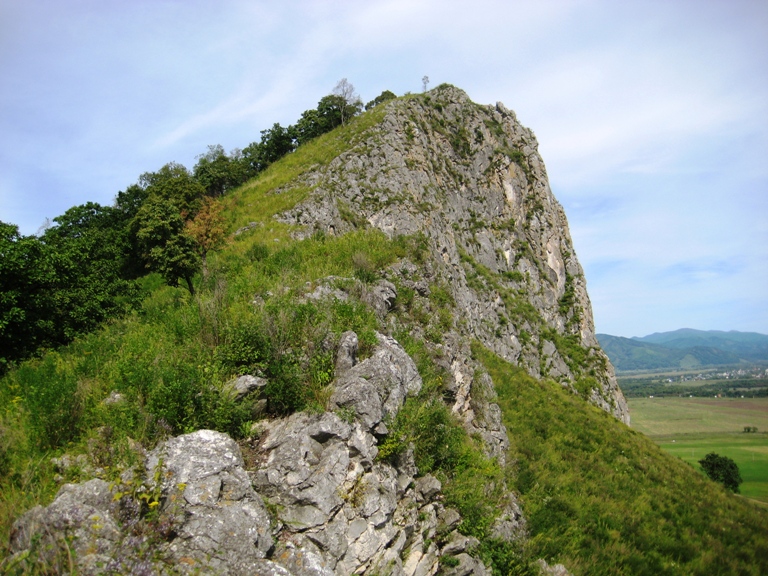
<point x="469" y="178"/>
<point x="308" y="494"/>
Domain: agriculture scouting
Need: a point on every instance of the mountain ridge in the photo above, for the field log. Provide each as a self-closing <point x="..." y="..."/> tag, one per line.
<point x="685" y="349"/>
<point x="390" y="368"/>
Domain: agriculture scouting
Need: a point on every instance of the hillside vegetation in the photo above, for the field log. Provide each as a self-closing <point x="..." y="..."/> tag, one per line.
<point x="276" y="297"/>
<point x="685" y="349"/>
<point x="604" y="499"/>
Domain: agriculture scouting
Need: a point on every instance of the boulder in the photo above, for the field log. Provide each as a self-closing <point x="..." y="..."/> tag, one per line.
<point x="377" y="386"/>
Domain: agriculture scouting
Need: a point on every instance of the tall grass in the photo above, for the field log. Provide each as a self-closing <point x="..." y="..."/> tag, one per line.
<point x="168" y="364"/>
<point x="603" y="499"/>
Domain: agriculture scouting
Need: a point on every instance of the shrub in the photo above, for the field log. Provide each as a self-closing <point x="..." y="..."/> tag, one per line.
<point x="50" y="391"/>
<point x="722" y="469"/>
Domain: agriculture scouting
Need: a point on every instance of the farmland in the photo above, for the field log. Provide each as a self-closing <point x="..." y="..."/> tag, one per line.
<point x="692" y="427"/>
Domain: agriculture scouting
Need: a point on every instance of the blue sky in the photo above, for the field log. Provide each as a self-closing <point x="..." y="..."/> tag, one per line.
<point x="652" y="116"/>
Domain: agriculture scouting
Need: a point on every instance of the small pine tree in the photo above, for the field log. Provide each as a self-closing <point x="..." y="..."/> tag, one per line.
<point x="722" y="469"/>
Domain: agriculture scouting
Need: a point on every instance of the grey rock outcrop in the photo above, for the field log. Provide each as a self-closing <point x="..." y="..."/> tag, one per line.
<point x="205" y="515"/>
<point x="470" y="179"/>
<point x="376" y="387"/>
<point x="314" y="501"/>
<point x="242" y="386"/>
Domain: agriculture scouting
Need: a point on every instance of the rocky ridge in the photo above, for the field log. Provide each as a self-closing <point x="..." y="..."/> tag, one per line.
<point x="308" y="495"/>
<point x="312" y="499"/>
<point x="469" y="178"/>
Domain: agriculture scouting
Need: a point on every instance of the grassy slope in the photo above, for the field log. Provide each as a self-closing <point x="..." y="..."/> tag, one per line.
<point x="170" y="358"/>
<point x="604" y="499"/>
<point x="600" y="497"/>
<point x="690" y="428"/>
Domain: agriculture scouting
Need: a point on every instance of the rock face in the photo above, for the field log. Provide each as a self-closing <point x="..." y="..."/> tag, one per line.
<point x="307" y="495"/>
<point x="470" y="179"/>
<point x="313" y="502"/>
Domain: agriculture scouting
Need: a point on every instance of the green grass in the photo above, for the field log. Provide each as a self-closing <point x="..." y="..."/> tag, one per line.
<point x="675" y="415"/>
<point x="604" y="499"/>
<point x="274" y="190"/>
<point x="171" y="358"/>
<point x="690" y="428"/>
<point x="749" y="451"/>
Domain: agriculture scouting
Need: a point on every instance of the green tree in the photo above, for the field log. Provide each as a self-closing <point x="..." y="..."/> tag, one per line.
<point x="722" y="469"/>
<point x="385" y="96"/>
<point x="166" y="248"/>
<point x="172" y="196"/>
<point x="63" y="283"/>
<point x="214" y="171"/>
<point x="309" y="126"/>
<point x="87" y="249"/>
<point x="174" y="183"/>
<point x="275" y="143"/>
<point x="26" y="279"/>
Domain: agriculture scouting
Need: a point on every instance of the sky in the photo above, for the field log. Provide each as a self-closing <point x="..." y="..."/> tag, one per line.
<point x="651" y="116"/>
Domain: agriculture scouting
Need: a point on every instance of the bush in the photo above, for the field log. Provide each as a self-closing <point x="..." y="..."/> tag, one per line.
<point x="722" y="469"/>
<point x="49" y="388"/>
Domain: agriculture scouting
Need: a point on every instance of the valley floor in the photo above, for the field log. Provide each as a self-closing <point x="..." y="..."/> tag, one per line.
<point x="690" y="428"/>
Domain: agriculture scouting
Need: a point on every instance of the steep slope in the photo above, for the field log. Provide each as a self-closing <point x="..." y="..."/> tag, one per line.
<point x="396" y="353"/>
<point x="469" y="178"/>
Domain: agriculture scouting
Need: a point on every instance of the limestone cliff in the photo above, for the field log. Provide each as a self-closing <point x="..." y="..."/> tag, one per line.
<point x="308" y="494"/>
<point x="470" y="179"/>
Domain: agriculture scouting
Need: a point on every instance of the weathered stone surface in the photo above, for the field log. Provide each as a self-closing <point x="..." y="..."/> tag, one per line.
<point x="467" y="565"/>
<point x="510" y="525"/>
<point x="482" y="201"/>
<point x="83" y="515"/>
<point x="209" y="516"/>
<point x="346" y="356"/>
<point x="220" y="521"/>
<point x="376" y="387"/>
<point x="240" y="387"/>
<point x="381" y="297"/>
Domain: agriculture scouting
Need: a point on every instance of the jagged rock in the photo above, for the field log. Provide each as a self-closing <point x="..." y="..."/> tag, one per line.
<point x="448" y="519"/>
<point x="240" y="387"/>
<point x="427" y="486"/>
<point x="458" y="543"/>
<point x="470" y="179"/>
<point x="467" y="565"/>
<point x="510" y="525"/>
<point x="220" y="522"/>
<point x="208" y="514"/>
<point x="346" y="356"/>
<point x="83" y="514"/>
<point x="554" y="365"/>
<point x="381" y="297"/>
<point x="306" y="465"/>
<point x="377" y="386"/>
<point x="303" y="560"/>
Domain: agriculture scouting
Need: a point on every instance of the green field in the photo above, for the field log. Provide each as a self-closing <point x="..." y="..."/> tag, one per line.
<point x="690" y="428"/>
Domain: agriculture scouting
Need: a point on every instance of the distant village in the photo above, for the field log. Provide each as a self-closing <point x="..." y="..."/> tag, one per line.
<point x="741" y="373"/>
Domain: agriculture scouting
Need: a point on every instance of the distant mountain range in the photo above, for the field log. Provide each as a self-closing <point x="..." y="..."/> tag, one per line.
<point x="685" y="349"/>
